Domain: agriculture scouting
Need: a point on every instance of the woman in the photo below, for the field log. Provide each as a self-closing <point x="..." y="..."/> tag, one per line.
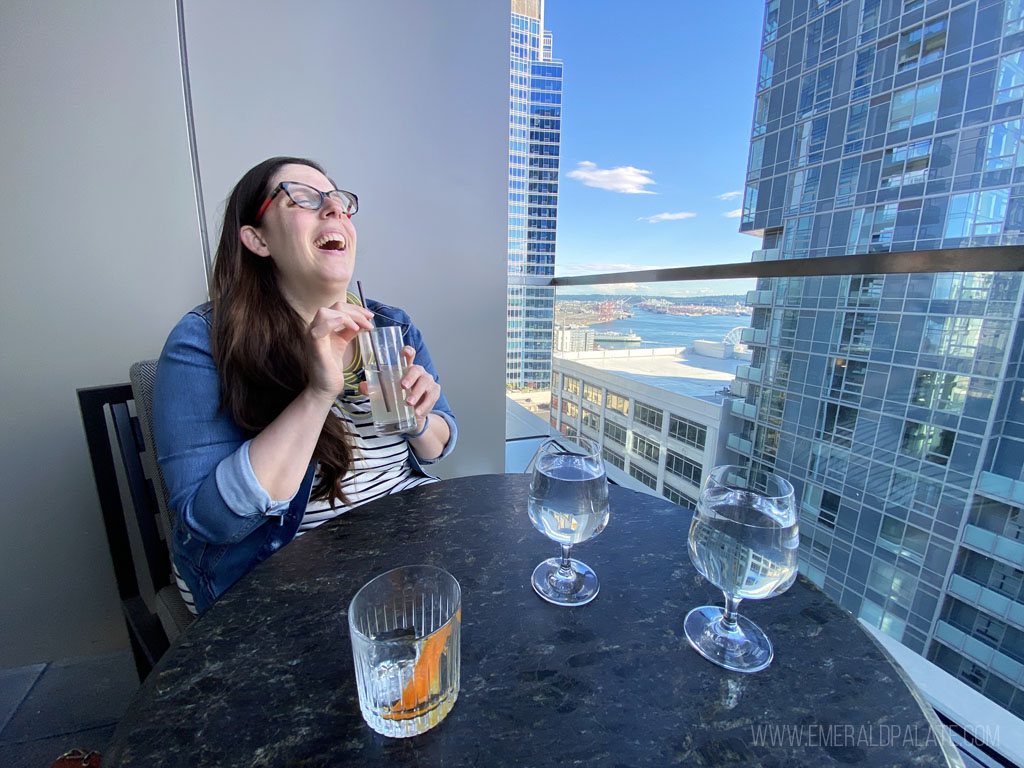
<point x="261" y="422"/>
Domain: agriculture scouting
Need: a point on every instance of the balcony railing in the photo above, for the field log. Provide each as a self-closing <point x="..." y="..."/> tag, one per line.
<point x="741" y="426"/>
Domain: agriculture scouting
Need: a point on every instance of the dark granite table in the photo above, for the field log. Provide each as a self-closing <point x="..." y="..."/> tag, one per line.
<point x="265" y="677"/>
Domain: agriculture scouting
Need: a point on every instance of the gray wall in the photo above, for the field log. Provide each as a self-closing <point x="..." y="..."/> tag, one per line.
<point x="405" y="103"/>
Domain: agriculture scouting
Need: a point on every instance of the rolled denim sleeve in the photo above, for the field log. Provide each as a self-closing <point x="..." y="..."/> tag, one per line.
<point x="204" y="455"/>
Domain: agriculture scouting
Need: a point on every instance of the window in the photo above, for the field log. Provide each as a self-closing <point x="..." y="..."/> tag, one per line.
<point x="849" y="174"/>
<point x="1014" y="16"/>
<point x="755" y="160"/>
<point x="862" y="73"/>
<point x="614" y="432"/>
<point x="647" y="415"/>
<point x="643" y="476"/>
<point x="617" y="403"/>
<point x="809" y="141"/>
<point x="828" y="463"/>
<point x="761" y="113"/>
<point x="570" y="409"/>
<point x="941" y="391"/>
<point x="613" y="458"/>
<point x="678" y="497"/>
<point x="907" y="164"/>
<point x="816" y="92"/>
<point x="836" y="423"/>
<point x="1010" y="82"/>
<point x="771" y="20"/>
<point x="869" y="15"/>
<point x="995" y="516"/>
<point x="686" y="431"/>
<point x="914" y="105"/>
<point x="646" y="449"/>
<point x="591" y="420"/>
<point x="1004" y="149"/>
<point x="554" y="402"/>
<point x="855" y="334"/>
<point x="953" y="336"/>
<point x="592" y="393"/>
<point x="902" y="539"/>
<point x="922" y="45"/>
<point x="571" y="385"/>
<point x="862" y="290"/>
<point x="871" y="229"/>
<point x="977" y="214"/>
<point x="892" y="582"/>
<point x="928" y="442"/>
<point x="680" y="466"/>
<point x="764" y="76"/>
<point x="803" y="190"/>
<point x="749" y="204"/>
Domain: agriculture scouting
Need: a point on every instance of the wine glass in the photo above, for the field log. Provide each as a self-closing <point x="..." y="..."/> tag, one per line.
<point x="568" y="504"/>
<point x="744" y="540"/>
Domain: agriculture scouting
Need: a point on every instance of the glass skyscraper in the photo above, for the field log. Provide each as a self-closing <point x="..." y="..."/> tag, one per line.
<point x="535" y="125"/>
<point x="895" y="403"/>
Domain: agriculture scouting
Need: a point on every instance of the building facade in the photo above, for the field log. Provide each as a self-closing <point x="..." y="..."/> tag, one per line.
<point x="535" y="125"/>
<point x="574" y="338"/>
<point x="895" y="403"/>
<point x="652" y="438"/>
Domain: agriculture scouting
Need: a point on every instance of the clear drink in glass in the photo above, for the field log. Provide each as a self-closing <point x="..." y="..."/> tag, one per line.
<point x="744" y="539"/>
<point x="569" y="504"/>
<point x="405" y="629"/>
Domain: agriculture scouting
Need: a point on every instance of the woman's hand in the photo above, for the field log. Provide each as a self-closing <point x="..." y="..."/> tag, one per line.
<point x="333" y="328"/>
<point x="421" y="391"/>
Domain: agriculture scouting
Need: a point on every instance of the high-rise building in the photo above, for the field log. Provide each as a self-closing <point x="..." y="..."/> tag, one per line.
<point x="893" y="402"/>
<point x="535" y="125"/>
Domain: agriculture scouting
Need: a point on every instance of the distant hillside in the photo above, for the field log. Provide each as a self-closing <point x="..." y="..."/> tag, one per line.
<point x="711" y="301"/>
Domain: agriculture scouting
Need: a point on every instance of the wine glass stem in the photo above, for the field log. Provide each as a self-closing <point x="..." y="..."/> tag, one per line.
<point x="564" y="567"/>
<point x="732" y="605"/>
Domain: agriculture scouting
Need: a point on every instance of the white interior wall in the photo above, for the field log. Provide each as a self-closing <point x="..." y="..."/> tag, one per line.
<point x="405" y="101"/>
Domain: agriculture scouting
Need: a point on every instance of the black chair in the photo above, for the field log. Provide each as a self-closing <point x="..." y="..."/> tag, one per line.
<point x="138" y="550"/>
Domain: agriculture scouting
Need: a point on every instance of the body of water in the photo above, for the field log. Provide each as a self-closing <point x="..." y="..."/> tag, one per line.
<point x="670" y="330"/>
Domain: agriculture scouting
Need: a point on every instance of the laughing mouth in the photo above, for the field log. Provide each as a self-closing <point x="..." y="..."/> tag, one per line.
<point x="332" y="241"/>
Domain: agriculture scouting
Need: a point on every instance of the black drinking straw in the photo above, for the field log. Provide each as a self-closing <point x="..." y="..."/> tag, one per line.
<point x="376" y="351"/>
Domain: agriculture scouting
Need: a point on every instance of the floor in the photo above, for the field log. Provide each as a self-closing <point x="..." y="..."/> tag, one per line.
<point x="47" y="709"/>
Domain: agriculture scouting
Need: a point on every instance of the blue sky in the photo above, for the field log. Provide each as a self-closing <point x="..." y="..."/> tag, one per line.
<point x="657" y="106"/>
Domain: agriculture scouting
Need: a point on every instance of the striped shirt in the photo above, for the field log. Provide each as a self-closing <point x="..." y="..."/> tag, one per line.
<point x="380" y="465"/>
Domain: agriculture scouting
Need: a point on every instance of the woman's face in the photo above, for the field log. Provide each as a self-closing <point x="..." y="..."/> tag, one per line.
<point x="314" y="252"/>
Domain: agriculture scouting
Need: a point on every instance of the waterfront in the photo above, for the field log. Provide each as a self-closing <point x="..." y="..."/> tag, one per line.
<point x="670" y="330"/>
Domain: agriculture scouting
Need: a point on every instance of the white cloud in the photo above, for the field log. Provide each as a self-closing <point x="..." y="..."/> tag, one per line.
<point x="625" y="179"/>
<point x="735" y="213"/>
<point x="730" y="195"/>
<point x="667" y="217"/>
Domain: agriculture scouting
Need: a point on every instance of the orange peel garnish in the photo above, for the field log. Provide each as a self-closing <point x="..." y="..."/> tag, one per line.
<point x="425" y="675"/>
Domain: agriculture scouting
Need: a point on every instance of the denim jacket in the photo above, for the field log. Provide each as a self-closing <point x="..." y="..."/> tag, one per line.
<point x="224" y="521"/>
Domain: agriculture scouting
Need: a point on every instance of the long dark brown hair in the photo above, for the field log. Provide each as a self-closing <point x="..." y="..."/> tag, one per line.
<point x="259" y="340"/>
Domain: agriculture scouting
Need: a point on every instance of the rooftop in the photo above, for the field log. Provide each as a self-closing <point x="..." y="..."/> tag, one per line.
<point x="674" y="369"/>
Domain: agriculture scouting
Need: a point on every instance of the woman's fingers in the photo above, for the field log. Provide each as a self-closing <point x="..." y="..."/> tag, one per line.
<point x="344" y="319"/>
<point x="421" y="389"/>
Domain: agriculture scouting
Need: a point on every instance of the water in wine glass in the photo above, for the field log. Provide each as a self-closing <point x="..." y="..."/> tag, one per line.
<point x="744" y="539"/>
<point x="569" y="504"/>
<point x="746" y="549"/>
<point x="568" y="498"/>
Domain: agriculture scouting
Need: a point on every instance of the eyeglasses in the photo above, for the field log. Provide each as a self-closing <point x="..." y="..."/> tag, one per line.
<point x="311" y="198"/>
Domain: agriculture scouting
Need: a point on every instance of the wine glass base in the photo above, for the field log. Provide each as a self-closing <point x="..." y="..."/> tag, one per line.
<point x="578" y="590"/>
<point x="746" y="649"/>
